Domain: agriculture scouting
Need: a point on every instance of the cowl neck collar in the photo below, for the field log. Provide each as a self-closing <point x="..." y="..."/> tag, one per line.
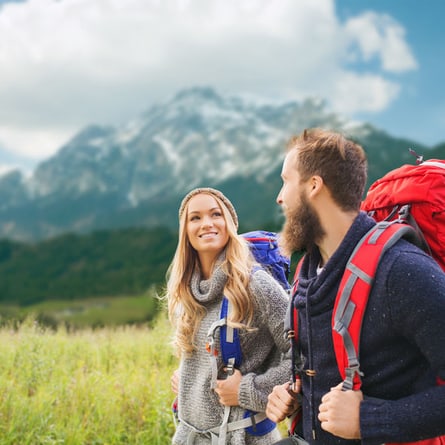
<point x="207" y="291"/>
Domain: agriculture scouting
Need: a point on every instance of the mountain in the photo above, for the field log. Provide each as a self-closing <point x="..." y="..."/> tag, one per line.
<point x="136" y="174"/>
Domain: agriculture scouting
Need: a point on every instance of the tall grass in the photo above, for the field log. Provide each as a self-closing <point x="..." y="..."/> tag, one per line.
<point x="91" y="387"/>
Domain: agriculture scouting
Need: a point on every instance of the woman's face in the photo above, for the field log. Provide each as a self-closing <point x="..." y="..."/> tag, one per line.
<point x="206" y="227"/>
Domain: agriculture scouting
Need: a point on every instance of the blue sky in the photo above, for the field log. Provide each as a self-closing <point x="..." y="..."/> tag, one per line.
<point x="419" y="110"/>
<point x="68" y="63"/>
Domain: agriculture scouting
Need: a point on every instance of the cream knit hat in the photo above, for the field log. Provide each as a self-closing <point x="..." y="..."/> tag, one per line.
<point x="215" y="193"/>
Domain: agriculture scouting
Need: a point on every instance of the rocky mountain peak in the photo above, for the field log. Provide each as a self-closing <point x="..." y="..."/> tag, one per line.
<point x="135" y="173"/>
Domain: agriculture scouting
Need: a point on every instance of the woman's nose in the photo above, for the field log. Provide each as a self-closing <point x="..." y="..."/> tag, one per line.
<point x="207" y="221"/>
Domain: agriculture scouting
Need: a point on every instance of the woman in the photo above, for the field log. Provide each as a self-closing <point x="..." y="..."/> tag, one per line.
<point x="212" y="261"/>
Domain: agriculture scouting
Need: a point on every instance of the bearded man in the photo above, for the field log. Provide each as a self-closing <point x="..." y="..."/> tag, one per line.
<point x="402" y="336"/>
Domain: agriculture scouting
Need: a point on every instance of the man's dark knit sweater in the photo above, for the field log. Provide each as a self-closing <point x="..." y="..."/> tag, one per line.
<point x="402" y="347"/>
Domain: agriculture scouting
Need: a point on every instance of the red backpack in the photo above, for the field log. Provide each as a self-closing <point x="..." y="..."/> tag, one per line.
<point x="415" y="196"/>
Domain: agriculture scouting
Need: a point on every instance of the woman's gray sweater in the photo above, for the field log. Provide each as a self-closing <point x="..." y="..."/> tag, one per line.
<point x="263" y="365"/>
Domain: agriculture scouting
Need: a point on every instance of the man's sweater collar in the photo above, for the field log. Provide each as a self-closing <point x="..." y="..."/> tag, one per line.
<point x="320" y="290"/>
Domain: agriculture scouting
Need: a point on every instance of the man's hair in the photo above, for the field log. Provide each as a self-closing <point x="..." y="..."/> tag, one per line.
<point x="339" y="161"/>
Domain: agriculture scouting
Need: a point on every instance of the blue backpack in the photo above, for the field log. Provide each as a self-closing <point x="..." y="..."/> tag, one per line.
<point x="265" y="249"/>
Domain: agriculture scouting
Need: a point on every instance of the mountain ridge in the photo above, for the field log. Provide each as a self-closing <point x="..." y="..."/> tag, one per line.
<point x="135" y="174"/>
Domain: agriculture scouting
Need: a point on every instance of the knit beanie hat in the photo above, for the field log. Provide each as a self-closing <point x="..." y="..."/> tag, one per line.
<point x="216" y="194"/>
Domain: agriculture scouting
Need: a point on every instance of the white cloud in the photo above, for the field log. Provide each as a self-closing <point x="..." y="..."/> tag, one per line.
<point x="382" y="37"/>
<point x="36" y="143"/>
<point x="358" y="93"/>
<point x="69" y="63"/>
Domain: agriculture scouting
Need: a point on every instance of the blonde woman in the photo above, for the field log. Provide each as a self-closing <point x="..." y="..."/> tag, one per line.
<point x="212" y="261"/>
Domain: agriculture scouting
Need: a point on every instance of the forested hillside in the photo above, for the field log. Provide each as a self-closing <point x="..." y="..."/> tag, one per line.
<point x="103" y="263"/>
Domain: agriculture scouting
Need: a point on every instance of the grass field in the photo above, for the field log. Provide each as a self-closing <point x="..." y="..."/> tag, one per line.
<point x="86" y="386"/>
<point x="104" y="386"/>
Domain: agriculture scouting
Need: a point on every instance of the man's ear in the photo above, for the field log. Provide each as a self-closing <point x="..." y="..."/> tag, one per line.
<point x="316" y="183"/>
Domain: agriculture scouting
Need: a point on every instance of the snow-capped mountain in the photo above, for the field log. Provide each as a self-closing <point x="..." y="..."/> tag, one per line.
<point x="137" y="173"/>
<point x="197" y="136"/>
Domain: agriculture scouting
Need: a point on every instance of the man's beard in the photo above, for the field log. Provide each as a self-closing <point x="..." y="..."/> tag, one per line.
<point x="302" y="229"/>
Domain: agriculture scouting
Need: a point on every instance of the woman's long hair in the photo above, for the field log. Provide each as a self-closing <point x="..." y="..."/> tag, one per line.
<point x="184" y="311"/>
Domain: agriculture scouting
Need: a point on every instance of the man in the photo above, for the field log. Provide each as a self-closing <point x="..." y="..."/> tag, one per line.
<point x="402" y="346"/>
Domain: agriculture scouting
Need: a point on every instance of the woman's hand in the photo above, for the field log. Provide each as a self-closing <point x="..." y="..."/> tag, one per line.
<point x="228" y="389"/>
<point x="174" y="381"/>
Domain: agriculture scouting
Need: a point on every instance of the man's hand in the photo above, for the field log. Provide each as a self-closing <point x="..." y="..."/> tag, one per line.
<point x="282" y="402"/>
<point x="227" y="389"/>
<point x="339" y="413"/>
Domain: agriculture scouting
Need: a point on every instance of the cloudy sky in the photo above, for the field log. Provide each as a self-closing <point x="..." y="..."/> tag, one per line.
<point x="67" y="63"/>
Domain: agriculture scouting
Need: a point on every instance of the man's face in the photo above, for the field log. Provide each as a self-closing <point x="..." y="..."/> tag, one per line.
<point x="302" y="227"/>
<point x="290" y="190"/>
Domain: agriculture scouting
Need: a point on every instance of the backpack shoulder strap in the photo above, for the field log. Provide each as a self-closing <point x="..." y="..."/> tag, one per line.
<point x="229" y="337"/>
<point x="291" y="326"/>
<point x="353" y="292"/>
<point x="229" y="341"/>
<point x="291" y="329"/>
<point x="256" y="424"/>
<point x="229" y="344"/>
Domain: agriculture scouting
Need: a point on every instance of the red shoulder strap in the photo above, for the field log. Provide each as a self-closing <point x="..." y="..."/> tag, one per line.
<point x="352" y="296"/>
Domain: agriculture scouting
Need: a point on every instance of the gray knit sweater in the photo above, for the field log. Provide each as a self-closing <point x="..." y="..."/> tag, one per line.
<point x="265" y="363"/>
